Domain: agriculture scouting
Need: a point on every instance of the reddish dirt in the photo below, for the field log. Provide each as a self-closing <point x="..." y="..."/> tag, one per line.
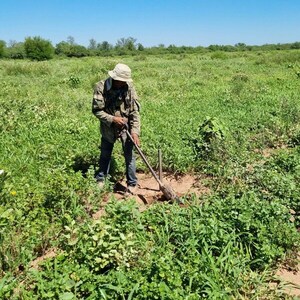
<point x="49" y="254"/>
<point x="267" y="152"/>
<point x="148" y="189"/>
<point x="290" y="279"/>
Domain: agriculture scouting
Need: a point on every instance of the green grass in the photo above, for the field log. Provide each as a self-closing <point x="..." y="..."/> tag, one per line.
<point x="213" y="114"/>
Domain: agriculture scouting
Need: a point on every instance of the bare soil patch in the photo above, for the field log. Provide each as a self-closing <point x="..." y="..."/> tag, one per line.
<point x="49" y="254"/>
<point x="147" y="193"/>
<point x="148" y="190"/>
<point x="291" y="279"/>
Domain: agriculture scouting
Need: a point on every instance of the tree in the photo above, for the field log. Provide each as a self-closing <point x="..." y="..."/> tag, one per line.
<point x="214" y="48"/>
<point x="78" y="51"/>
<point x="2" y="48"/>
<point x="241" y="46"/>
<point x="70" y="50"/>
<point x="295" y="45"/>
<point x="104" y="46"/>
<point x="228" y="48"/>
<point x="140" y="47"/>
<point x="131" y="44"/>
<point x="12" y="43"/>
<point x="16" y="50"/>
<point x="126" y="44"/>
<point x="62" y="48"/>
<point x="71" y="40"/>
<point x="37" y="48"/>
<point x="93" y="44"/>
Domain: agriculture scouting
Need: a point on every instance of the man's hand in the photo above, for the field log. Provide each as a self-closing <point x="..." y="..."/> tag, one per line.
<point x="119" y="121"/>
<point x="136" y="139"/>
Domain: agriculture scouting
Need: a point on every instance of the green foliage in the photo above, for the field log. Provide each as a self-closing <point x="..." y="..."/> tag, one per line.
<point x="218" y="55"/>
<point x="140" y="47"/>
<point x="77" y="51"/>
<point x="70" y="50"/>
<point x="279" y="179"/>
<point x="295" y="137"/>
<point x="37" y="48"/>
<point x="210" y="133"/>
<point x="219" y="246"/>
<point x="129" y="46"/>
<point x="105" y="46"/>
<point x="126" y="44"/>
<point x="73" y="81"/>
<point x="62" y="48"/>
<point x="16" y="51"/>
<point x="199" y="252"/>
<point x="238" y="83"/>
<point x="105" y="245"/>
<point x="26" y="68"/>
<point x="2" y="48"/>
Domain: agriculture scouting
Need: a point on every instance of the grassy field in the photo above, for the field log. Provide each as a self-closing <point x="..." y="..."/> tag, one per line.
<point x="233" y="118"/>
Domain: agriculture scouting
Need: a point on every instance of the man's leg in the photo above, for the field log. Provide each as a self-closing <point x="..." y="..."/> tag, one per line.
<point x="130" y="163"/>
<point x="105" y="156"/>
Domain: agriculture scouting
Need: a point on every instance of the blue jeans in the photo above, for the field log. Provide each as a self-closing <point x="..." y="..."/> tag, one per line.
<point x="105" y="157"/>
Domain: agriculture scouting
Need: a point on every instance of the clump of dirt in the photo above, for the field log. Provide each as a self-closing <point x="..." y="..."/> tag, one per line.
<point x="148" y="190"/>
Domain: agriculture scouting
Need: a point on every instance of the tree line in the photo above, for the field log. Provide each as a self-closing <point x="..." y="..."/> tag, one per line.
<point x="37" y="48"/>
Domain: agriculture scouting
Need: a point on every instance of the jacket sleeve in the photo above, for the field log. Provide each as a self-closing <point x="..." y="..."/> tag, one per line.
<point x="134" y="115"/>
<point x="98" y="105"/>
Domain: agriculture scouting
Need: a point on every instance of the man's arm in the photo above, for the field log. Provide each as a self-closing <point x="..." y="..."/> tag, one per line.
<point x="135" y="126"/>
<point x="98" y="105"/>
<point x="134" y="117"/>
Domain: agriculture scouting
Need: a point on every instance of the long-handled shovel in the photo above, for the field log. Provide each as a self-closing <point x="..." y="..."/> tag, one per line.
<point x="166" y="189"/>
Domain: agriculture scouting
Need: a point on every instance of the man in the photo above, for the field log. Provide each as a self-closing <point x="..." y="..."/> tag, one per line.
<point x="115" y="105"/>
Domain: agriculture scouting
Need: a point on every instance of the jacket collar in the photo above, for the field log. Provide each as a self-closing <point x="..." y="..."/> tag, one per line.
<point x="108" y="83"/>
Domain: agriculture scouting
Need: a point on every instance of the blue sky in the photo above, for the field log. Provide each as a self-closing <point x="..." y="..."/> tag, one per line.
<point x="153" y="22"/>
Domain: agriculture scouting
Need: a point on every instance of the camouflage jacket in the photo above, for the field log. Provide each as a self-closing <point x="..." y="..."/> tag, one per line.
<point x="108" y="103"/>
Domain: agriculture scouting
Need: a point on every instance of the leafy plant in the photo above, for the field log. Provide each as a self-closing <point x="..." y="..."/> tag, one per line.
<point x="37" y="48"/>
<point x="221" y="245"/>
<point x="74" y="81"/>
<point x="211" y="133"/>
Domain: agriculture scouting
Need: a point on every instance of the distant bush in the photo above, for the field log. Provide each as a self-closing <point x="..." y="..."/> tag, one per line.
<point x="77" y="51"/>
<point x="218" y="55"/>
<point x="291" y="57"/>
<point x="37" y="48"/>
<point x="16" y="51"/>
<point x="70" y="50"/>
<point x="62" y="48"/>
<point x="2" y="48"/>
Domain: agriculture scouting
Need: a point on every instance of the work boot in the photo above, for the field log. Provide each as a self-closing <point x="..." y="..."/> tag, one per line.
<point x="100" y="180"/>
<point x="101" y="184"/>
<point x="131" y="190"/>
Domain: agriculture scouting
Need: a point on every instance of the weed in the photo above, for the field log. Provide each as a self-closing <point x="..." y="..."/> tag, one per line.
<point x="223" y="245"/>
<point x="74" y="81"/>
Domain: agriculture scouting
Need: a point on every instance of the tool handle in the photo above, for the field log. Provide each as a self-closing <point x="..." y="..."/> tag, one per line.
<point x="160" y="173"/>
<point x="144" y="158"/>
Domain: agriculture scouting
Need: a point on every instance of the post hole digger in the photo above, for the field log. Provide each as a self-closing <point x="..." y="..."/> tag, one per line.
<point x="167" y="190"/>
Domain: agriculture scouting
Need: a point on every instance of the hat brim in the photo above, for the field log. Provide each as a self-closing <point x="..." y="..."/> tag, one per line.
<point x="114" y="76"/>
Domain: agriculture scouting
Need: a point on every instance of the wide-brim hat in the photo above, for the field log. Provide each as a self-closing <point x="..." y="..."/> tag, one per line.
<point x="121" y="72"/>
